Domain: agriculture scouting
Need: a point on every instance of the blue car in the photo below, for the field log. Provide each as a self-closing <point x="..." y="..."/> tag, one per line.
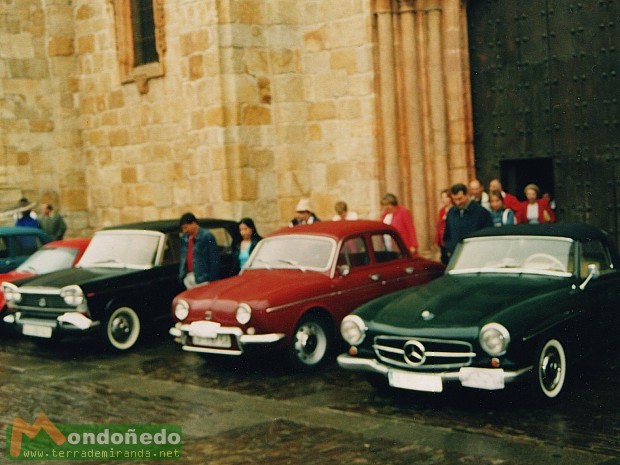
<point x="17" y="243"/>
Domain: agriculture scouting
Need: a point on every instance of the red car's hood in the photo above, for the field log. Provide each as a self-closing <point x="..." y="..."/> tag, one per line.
<point x="261" y="289"/>
<point x="13" y="276"/>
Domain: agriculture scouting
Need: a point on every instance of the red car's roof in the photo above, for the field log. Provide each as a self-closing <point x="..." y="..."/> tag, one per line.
<point x="335" y="229"/>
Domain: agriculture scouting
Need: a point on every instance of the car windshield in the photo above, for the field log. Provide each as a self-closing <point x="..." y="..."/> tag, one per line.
<point x="293" y="252"/>
<point x="122" y="249"/>
<point x="49" y="259"/>
<point x="514" y="254"/>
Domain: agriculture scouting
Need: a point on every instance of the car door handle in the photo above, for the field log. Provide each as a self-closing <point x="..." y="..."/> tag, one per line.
<point x="375" y="276"/>
<point x="409" y="270"/>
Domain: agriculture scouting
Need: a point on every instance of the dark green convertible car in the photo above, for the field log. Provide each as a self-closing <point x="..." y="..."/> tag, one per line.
<point x="516" y="303"/>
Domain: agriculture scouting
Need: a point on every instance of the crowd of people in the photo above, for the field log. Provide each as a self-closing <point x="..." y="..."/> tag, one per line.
<point x="465" y="210"/>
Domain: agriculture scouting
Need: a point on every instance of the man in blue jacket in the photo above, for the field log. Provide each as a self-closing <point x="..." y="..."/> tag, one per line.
<point x="200" y="257"/>
<point x="468" y="216"/>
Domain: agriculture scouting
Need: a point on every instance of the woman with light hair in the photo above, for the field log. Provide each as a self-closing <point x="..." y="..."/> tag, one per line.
<point x="535" y="209"/>
<point x="343" y="213"/>
<point x="399" y="217"/>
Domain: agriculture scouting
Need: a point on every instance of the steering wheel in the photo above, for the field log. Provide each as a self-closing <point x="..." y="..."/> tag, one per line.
<point x="537" y="260"/>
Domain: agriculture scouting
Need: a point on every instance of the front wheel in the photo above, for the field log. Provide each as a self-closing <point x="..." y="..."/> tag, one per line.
<point x="550" y="370"/>
<point x="311" y="343"/>
<point x="122" y="328"/>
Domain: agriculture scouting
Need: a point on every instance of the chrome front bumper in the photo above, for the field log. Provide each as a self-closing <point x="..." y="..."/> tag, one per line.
<point x="70" y="322"/>
<point x="479" y="378"/>
<point x="185" y="333"/>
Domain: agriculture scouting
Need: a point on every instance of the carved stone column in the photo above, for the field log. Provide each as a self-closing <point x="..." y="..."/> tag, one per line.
<point x="412" y="122"/>
<point x="387" y="85"/>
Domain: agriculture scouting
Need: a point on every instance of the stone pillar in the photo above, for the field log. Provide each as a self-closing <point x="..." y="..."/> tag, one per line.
<point x="437" y="98"/>
<point x="387" y="84"/>
<point x="457" y="89"/>
<point x="414" y="142"/>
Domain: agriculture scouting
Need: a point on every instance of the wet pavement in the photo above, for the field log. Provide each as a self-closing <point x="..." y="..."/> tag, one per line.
<point x="255" y="411"/>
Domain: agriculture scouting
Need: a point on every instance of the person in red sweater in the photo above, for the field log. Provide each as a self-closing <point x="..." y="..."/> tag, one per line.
<point x="401" y="219"/>
<point x="535" y="210"/>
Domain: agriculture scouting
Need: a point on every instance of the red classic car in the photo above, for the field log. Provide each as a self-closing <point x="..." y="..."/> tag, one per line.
<point x="52" y="256"/>
<point x="295" y="289"/>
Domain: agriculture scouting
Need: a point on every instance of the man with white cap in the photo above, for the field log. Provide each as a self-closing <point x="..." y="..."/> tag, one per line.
<point x="303" y="214"/>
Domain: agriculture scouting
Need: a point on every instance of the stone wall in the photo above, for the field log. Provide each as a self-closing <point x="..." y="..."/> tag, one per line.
<point x="261" y="103"/>
<point x="40" y="144"/>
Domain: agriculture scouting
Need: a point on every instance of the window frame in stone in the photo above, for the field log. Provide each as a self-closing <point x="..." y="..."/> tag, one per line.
<point x="130" y="71"/>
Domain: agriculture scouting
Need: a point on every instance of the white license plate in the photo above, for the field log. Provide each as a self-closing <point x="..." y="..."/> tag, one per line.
<point x="415" y="381"/>
<point x="37" y="331"/>
<point x="482" y="378"/>
<point x="221" y="340"/>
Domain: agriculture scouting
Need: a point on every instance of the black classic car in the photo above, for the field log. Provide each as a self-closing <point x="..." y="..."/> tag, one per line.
<point x="516" y="303"/>
<point x="126" y="279"/>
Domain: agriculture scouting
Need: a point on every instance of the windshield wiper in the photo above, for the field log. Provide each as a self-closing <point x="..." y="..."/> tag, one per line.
<point x="28" y="269"/>
<point x="292" y="263"/>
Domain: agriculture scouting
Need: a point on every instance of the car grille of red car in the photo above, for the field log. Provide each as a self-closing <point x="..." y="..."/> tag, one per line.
<point x="423" y="353"/>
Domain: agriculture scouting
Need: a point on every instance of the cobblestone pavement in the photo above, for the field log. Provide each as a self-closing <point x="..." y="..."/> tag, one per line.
<point x="255" y="411"/>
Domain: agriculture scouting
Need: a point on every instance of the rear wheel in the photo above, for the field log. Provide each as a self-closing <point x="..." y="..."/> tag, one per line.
<point x="122" y="328"/>
<point x="311" y="343"/>
<point x="550" y="370"/>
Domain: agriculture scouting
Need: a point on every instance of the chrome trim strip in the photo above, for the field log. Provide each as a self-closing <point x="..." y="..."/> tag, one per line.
<point x="180" y="330"/>
<point x="300" y="302"/>
<point x="36" y="322"/>
<point x="43" y="309"/>
<point x="261" y="338"/>
<point x="382" y="352"/>
<point x="206" y="350"/>
<point x="559" y="274"/>
<point x="39" y="290"/>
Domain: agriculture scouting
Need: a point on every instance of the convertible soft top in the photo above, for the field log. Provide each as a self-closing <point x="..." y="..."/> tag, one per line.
<point x="577" y="231"/>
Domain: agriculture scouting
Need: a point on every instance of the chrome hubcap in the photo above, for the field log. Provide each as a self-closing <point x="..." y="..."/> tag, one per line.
<point x="310" y="343"/>
<point x="550" y="370"/>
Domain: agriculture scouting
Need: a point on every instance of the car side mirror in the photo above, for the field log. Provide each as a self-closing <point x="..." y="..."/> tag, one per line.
<point x="593" y="273"/>
<point x="344" y="270"/>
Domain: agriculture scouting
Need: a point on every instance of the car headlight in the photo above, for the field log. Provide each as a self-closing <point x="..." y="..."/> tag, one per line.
<point x="181" y="310"/>
<point x="11" y="293"/>
<point x="494" y="339"/>
<point x="353" y="329"/>
<point x="72" y="295"/>
<point x="243" y="314"/>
